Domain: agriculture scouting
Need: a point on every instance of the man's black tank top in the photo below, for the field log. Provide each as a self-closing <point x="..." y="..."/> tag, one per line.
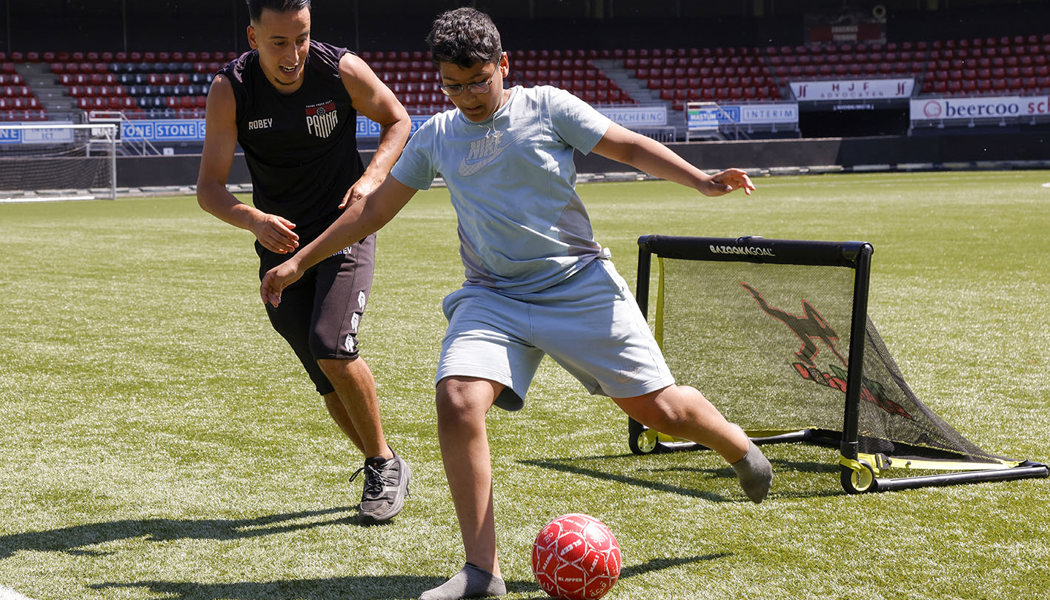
<point x="301" y="148"/>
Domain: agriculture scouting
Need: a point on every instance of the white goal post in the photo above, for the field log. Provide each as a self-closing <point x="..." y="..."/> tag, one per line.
<point x="58" y="161"/>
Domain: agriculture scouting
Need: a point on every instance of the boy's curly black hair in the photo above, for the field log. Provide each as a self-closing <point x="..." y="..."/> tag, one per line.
<point x="464" y="37"/>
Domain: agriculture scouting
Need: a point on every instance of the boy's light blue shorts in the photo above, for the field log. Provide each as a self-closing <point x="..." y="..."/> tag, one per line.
<point x="590" y="324"/>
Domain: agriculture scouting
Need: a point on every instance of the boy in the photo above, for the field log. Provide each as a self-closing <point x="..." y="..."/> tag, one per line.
<point x="292" y="104"/>
<point x="537" y="282"/>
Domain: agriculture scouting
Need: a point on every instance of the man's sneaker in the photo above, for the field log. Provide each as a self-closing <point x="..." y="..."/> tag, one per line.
<point x="386" y="487"/>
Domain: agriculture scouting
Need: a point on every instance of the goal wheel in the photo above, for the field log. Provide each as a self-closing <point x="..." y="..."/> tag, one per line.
<point x="858" y="481"/>
<point x="640" y="438"/>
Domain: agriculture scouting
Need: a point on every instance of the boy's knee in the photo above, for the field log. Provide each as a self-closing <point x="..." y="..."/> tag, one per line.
<point x="463" y="399"/>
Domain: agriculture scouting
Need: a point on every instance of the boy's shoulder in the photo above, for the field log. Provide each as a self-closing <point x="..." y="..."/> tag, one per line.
<point x="544" y="92"/>
<point x="438" y="121"/>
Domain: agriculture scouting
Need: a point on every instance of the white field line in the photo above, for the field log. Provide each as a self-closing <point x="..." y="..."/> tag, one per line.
<point x="7" y="593"/>
<point x="18" y="200"/>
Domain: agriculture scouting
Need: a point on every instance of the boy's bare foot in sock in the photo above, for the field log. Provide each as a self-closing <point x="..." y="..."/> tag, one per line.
<point x="755" y="473"/>
<point x="470" y="582"/>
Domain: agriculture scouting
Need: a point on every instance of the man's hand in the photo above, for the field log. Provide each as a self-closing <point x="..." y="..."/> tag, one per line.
<point x="278" y="278"/>
<point x="275" y="234"/>
<point x="727" y="181"/>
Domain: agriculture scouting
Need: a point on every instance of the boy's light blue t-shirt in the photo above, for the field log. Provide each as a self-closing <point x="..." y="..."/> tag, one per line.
<point x="522" y="227"/>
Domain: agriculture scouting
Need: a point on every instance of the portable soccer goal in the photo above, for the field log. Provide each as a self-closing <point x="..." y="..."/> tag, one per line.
<point x="58" y="161"/>
<point x="776" y="334"/>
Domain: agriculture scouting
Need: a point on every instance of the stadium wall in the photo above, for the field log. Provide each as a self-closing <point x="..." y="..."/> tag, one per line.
<point x="1006" y="149"/>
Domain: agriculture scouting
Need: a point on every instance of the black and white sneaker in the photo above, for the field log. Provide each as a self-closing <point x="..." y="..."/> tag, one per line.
<point x="386" y="487"/>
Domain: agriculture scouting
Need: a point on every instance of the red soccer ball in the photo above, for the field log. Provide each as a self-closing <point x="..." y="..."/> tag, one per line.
<point x="576" y="557"/>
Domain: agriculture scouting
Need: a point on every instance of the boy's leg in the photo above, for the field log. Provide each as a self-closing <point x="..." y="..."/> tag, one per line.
<point x="486" y="360"/>
<point x="683" y="412"/>
<point x="462" y="405"/>
<point x="470" y="582"/>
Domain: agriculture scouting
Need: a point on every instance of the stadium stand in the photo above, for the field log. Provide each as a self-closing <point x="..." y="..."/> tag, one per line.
<point x="410" y="75"/>
<point x="17" y="100"/>
<point x="704" y="74"/>
<point x="954" y="67"/>
<point x="574" y="70"/>
<point x="174" y="84"/>
<point x="139" y="84"/>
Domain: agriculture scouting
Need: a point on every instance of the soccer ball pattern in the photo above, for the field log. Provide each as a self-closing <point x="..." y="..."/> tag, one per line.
<point x="576" y="557"/>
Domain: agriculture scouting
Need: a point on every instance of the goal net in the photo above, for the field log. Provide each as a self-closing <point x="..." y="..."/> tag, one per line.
<point x="775" y="333"/>
<point x="57" y="161"/>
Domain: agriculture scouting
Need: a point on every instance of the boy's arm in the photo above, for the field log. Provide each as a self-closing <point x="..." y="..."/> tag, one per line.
<point x="220" y="141"/>
<point x="373" y="99"/>
<point x="357" y="221"/>
<point x="652" y="157"/>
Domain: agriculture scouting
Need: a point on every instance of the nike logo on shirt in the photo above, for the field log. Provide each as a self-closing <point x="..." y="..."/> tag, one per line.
<point x="483" y="152"/>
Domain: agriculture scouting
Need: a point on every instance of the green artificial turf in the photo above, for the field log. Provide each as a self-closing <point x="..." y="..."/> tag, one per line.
<point x="160" y="441"/>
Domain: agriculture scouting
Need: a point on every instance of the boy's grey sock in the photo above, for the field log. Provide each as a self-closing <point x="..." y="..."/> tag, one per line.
<point x="470" y="582"/>
<point x="755" y="473"/>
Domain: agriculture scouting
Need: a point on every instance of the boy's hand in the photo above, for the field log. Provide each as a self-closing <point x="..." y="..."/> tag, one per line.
<point x="729" y="180"/>
<point x="278" y="278"/>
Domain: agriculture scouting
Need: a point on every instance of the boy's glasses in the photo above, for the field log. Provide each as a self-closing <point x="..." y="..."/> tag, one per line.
<point x="456" y="89"/>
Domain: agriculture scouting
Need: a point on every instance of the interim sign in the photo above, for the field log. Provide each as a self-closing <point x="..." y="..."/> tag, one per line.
<point x="701" y="116"/>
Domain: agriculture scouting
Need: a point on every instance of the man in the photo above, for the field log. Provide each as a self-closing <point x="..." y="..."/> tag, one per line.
<point x="292" y="103"/>
<point x="537" y="281"/>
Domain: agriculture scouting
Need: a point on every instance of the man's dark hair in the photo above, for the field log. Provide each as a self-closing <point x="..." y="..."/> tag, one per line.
<point x="464" y="37"/>
<point x="255" y="7"/>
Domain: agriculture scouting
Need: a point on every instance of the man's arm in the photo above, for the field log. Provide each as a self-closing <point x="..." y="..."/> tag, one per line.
<point x="652" y="157"/>
<point x="220" y="141"/>
<point x="373" y="99"/>
<point x="357" y="221"/>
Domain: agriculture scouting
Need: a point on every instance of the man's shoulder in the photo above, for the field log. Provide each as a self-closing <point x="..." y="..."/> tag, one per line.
<point x="328" y="55"/>
<point x="239" y="70"/>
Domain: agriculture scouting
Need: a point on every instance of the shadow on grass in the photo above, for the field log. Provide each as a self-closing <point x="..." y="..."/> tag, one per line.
<point x="344" y="588"/>
<point x="393" y="587"/>
<point x="576" y="465"/>
<point x="76" y="539"/>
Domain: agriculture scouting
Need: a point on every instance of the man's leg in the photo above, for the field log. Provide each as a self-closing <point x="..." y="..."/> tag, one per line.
<point x="683" y="412"/>
<point x="355" y="408"/>
<point x="334" y="404"/>
<point x="462" y="404"/>
<point x="354" y="405"/>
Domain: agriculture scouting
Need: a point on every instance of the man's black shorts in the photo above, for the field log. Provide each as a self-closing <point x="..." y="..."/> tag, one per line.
<point x="319" y="314"/>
